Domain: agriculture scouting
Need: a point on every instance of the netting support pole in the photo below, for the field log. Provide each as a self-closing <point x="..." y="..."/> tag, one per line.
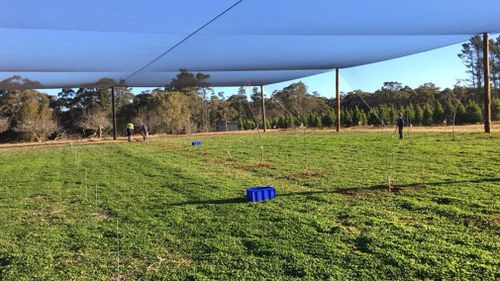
<point x="113" y="108"/>
<point x="337" y="97"/>
<point x="487" y="84"/>
<point x="263" y="108"/>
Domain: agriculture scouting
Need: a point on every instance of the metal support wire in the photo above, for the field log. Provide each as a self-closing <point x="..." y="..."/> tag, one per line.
<point x="184" y="39"/>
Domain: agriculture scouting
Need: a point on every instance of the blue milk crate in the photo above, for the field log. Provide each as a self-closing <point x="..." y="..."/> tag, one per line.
<point x="256" y="194"/>
<point x="196" y="143"/>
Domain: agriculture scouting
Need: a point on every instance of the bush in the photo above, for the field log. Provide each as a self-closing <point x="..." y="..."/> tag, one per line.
<point x="328" y="119"/>
<point x="474" y="113"/>
<point x="410" y="114"/>
<point x="419" y="115"/>
<point x="346" y="118"/>
<point x="248" y="124"/>
<point x="461" y="115"/>
<point x="439" y="114"/>
<point x="427" y="115"/>
<point x="495" y="110"/>
<point x="373" y="117"/>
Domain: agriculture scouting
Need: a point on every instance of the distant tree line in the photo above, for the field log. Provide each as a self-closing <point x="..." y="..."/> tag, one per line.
<point x="184" y="108"/>
<point x="426" y="105"/>
<point x="188" y="104"/>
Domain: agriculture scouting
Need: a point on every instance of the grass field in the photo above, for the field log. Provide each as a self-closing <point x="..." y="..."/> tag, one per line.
<point x="167" y="211"/>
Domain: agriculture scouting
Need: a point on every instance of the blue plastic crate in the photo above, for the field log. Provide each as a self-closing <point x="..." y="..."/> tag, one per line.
<point x="196" y="143"/>
<point x="256" y="194"/>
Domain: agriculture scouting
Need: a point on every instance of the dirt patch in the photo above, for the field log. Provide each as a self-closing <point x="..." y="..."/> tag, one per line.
<point x="475" y="221"/>
<point x="262" y="165"/>
<point x="206" y="154"/>
<point x="496" y="221"/>
<point x="104" y="214"/>
<point x="56" y="210"/>
<point x="348" y="192"/>
<point x="39" y="197"/>
<point x="352" y="230"/>
<point x="394" y="189"/>
<point x="224" y="161"/>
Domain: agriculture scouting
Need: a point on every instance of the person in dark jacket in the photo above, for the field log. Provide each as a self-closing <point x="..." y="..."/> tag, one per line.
<point x="144" y="131"/>
<point x="401" y="124"/>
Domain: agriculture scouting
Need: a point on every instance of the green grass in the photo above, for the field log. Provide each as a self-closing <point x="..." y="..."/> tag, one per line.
<point x="169" y="211"/>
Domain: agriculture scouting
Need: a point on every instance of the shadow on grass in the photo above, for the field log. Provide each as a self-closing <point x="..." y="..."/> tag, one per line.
<point x="346" y="191"/>
<point x="397" y="187"/>
<point x="236" y="200"/>
<point x="4" y="261"/>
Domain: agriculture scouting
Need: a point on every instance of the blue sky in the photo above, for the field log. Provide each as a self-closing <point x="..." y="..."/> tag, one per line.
<point x="441" y="67"/>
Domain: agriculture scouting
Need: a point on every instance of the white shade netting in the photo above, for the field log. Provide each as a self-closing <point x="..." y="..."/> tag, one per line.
<point x="56" y="43"/>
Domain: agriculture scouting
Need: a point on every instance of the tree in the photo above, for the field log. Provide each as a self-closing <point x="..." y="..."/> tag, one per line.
<point x="240" y="103"/>
<point x="473" y="112"/>
<point x="495" y="110"/>
<point x="328" y="119"/>
<point x="34" y="118"/>
<point x="419" y="115"/>
<point x="373" y="117"/>
<point x="384" y="115"/>
<point x="96" y="121"/>
<point x="196" y="87"/>
<point x="74" y="108"/>
<point x="314" y="121"/>
<point x="495" y="62"/>
<point x="471" y="56"/>
<point x="363" y="118"/>
<point x="439" y="114"/>
<point x="290" y="121"/>
<point x="461" y="114"/>
<point x="187" y="82"/>
<point x="221" y="110"/>
<point x="454" y="100"/>
<point x="449" y="111"/>
<point x="427" y="117"/>
<point x="410" y="114"/>
<point x="174" y="108"/>
<point x="10" y="101"/>
<point x="345" y="118"/>
<point x="248" y="124"/>
<point x="392" y="86"/>
<point x="355" y="116"/>
<point x="392" y="115"/>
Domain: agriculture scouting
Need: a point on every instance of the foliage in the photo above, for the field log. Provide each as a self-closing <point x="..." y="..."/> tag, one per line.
<point x="26" y="113"/>
<point x="96" y="121"/>
<point x="174" y="109"/>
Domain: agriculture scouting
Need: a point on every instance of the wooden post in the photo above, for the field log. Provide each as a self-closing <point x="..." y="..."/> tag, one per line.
<point x="337" y="96"/>
<point x="114" y="111"/>
<point x="263" y="108"/>
<point x="487" y="85"/>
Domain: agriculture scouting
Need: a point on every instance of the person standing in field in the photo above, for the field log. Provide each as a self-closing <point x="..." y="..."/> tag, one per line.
<point x="130" y="131"/>
<point x="144" y="131"/>
<point x="401" y="124"/>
